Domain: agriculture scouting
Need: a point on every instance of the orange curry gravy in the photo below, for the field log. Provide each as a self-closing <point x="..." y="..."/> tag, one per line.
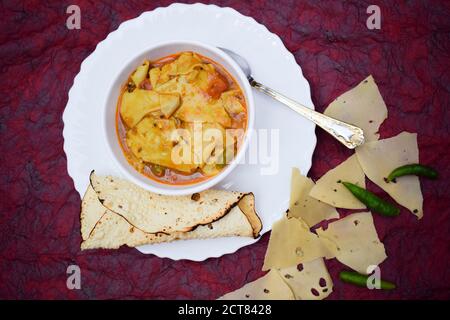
<point x="223" y="82"/>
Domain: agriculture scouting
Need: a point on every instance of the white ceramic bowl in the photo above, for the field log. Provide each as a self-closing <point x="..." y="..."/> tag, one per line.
<point x="109" y="113"/>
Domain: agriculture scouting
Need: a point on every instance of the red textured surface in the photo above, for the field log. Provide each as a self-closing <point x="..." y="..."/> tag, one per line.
<point x="39" y="227"/>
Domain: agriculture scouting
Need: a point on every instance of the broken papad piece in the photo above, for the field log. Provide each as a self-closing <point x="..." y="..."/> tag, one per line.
<point x="309" y="280"/>
<point x="354" y="241"/>
<point x="379" y="158"/>
<point x="362" y="106"/>
<point x="329" y="188"/>
<point x="91" y="212"/>
<point x="137" y="104"/>
<point x="291" y="242"/>
<point x="269" y="287"/>
<point x="112" y="231"/>
<point x="152" y="141"/>
<point x="153" y="213"/>
<point x="301" y="205"/>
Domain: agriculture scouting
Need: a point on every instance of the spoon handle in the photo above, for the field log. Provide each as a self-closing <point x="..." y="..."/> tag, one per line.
<point x="349" y="135"/>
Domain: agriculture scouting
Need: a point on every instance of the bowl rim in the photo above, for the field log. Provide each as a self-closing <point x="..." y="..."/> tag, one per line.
<point x="184" y="189"/>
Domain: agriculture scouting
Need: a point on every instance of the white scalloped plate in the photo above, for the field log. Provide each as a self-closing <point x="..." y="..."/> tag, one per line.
<point x="271" y="63"/>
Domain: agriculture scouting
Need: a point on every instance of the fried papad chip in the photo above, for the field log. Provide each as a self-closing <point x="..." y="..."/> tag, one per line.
<point x="268" y="287"/>
<point x="155" y="213"/>
<point x="291" y="242"/>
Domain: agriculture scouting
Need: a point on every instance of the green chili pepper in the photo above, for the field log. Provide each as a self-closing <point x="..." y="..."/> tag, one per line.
<point x="413" y="169"/>
<point x="361" y="280"/>
<point x="372" y="201"/>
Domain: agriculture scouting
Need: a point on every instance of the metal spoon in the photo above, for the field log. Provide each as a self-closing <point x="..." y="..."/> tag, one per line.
<point x="349" y="135"/>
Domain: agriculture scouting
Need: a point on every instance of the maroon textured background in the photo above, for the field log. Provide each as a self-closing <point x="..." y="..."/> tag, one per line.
<point x="39" y="227"/>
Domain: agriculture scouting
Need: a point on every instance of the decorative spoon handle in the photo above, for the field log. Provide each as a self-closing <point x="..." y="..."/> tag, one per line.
<point x="349" y="135"/>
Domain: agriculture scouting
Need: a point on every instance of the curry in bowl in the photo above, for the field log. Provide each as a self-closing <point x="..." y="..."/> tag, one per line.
<point x="181" y="119"/>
